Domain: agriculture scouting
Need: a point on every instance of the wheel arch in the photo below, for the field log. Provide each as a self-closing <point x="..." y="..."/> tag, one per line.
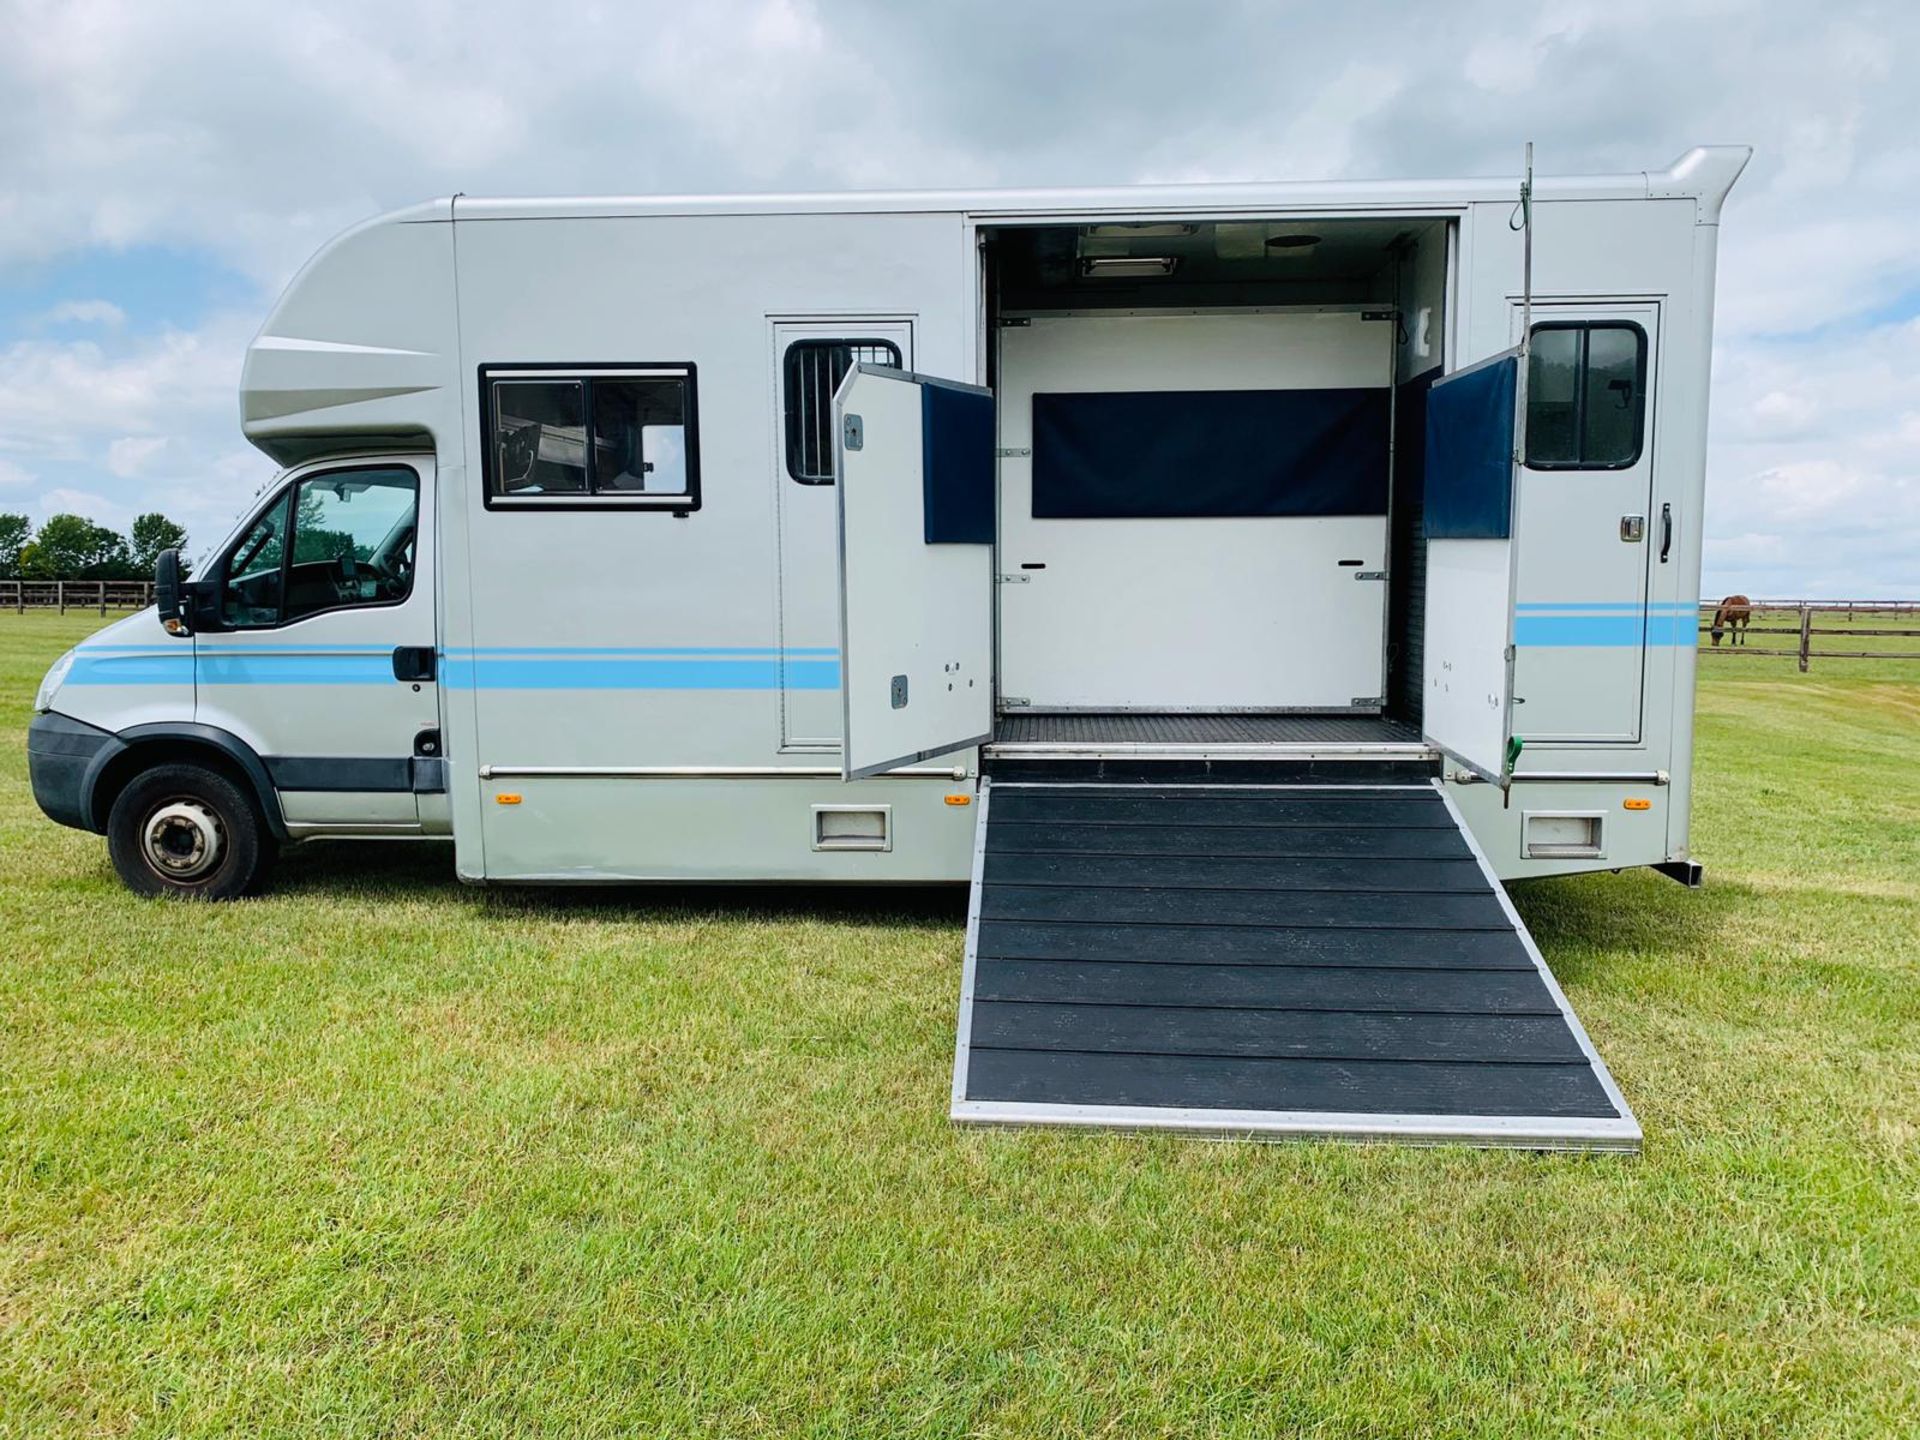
<point x="144" y="746"/>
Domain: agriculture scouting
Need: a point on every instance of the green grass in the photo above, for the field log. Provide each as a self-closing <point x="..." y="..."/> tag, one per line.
<point x="379" y="1155"/>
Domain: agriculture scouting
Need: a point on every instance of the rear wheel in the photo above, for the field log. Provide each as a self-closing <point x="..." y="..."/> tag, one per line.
<point x="188" y="831"/>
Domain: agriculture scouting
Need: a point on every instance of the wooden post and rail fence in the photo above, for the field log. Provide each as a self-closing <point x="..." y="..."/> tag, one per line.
<point x="1816" y="627"/>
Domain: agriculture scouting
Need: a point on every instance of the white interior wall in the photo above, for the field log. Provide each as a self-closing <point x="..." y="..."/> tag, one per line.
<point x="1192" y="613"/>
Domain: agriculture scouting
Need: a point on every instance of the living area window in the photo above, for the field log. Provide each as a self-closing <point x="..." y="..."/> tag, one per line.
<point x="597" y="437"/>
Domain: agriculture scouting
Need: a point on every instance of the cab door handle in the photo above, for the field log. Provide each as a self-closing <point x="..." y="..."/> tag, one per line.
<point x="413" y="662"/>
<point x="1633" y="528"/>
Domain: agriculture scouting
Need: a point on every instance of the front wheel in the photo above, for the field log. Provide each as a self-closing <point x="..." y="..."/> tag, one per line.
<point x="188" y="831"/>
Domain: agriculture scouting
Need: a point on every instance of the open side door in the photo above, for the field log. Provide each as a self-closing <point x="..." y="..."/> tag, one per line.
<point x="1467" y="713"/>
<point x="914" y="466"/>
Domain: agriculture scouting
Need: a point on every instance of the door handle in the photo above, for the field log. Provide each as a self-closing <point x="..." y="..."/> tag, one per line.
<point x="1633" y="528"/>
<point x="413" y="662"/>
<point x="1666" y="532"/>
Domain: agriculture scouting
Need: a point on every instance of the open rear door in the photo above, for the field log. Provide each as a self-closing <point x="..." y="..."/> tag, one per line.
<point x="1469" y="520"/>
<point x="915" y="472"/>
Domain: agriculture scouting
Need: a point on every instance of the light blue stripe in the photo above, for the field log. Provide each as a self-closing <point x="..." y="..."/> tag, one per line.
<point x="245" y="667"/>
<point x="496" y="673"/>
<point x="1626" y="606"/>
<point x="175" y="668"/>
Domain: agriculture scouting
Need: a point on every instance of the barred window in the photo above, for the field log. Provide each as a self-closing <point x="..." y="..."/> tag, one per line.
<point x="811" y="371"/>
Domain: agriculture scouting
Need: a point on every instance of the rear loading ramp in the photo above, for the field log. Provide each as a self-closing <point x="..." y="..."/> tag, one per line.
<point x="1267" y="961"/>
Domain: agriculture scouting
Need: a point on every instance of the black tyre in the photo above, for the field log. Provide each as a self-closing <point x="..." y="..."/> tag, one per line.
<point x="188" y="831"/>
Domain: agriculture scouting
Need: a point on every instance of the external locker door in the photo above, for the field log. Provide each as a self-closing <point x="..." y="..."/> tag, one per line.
<point x="1469" y="521"/>
<point x="915" y="473"/>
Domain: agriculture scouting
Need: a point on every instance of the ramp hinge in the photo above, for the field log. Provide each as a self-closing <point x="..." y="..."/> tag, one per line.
<point x="1013" y="453"/>
<point x="1014" y="322"/>
<point x="1012" y="579"/>
<point x="1376" y="314"/>
<point x="1014" y="702"/>
<point x="1368" y="702"/>
<point x="1369" y="574"/>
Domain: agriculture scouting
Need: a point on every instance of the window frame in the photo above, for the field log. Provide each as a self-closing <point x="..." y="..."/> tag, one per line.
<point x="1642" y="349"/>
<point x="283" y="494"/>
<point x="680" y="504"/>
<point x="851" y="342"/>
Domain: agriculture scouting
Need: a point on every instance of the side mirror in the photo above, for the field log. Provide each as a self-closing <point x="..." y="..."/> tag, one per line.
<point x="169" y="594"/>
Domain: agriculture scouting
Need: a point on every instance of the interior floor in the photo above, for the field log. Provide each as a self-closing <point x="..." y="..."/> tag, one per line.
<point x="1142" y="729"/>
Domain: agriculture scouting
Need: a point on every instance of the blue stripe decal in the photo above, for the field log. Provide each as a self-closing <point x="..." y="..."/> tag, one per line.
<point x="165" y="668"/>
<point x="248" y="667"/>
<point x="490" y="672"/>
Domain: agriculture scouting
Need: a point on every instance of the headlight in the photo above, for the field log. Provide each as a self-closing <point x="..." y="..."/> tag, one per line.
<point x="43" y="697"/>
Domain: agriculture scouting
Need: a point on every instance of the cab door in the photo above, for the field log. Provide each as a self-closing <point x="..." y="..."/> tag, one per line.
<point x="1586" y="489"/>
<point x="321" y="651"/>
<point x="915" y="486"/>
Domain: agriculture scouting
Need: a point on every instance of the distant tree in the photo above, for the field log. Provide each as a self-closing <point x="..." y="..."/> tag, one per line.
<point x="152" y="533"/>
<point x="72" y="547"/>
<point x="15" y="531"/>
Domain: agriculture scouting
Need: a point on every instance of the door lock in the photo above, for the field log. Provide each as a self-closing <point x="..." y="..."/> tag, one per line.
<point x="1633" y="528"/>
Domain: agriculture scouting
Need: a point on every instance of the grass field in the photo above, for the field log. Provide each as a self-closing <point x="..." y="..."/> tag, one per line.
<point x="379" y="1155"/>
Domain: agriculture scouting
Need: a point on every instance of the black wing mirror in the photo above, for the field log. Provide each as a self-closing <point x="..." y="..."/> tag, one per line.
<point x="169" y="594"/>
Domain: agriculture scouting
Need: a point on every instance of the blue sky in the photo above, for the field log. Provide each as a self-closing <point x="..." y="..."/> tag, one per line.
<point x="171" y="166"/>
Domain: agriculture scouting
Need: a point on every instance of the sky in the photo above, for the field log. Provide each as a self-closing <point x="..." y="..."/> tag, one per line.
<point x="165" y="169"/>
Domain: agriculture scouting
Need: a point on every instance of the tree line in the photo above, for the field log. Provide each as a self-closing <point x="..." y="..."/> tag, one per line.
<point x="72" y="547"/>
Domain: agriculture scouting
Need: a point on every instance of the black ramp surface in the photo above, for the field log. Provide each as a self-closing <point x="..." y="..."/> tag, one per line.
<point x="1283" y="959"/>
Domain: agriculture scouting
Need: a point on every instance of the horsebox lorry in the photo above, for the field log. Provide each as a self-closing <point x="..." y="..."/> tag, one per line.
<point x="1235" y="583"/>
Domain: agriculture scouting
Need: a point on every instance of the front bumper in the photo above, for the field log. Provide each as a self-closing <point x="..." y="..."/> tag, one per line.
<point x="63" y="758"/>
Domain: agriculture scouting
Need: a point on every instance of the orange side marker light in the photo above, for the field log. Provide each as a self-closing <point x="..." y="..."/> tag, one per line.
<point x="1636" y="803"/>
<point x="506" y="797"/>
<point x="959" y="799"/>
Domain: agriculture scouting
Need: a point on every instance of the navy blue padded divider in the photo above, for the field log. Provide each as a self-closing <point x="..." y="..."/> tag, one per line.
<point x="1176" y="453"/>
<point x="1469" y="485"/>
<point x="956" y="465"/>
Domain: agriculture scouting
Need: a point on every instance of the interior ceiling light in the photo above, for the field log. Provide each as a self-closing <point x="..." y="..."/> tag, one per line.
<point x="1293" y="242"/>
<point x="1127" y="267"/>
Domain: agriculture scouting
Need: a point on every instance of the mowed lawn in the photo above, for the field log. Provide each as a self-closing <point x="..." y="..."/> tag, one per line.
<point x="376" y="1154"/>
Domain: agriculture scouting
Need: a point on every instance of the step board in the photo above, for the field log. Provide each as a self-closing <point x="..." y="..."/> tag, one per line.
<point x="1262" y="960"/>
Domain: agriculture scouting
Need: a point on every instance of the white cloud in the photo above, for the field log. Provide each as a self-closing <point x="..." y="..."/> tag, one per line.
<point x="14" y="477"/>
<point x="128" y="456"/>
<point x="101" y="509"/>
<point x="86" y="312"/>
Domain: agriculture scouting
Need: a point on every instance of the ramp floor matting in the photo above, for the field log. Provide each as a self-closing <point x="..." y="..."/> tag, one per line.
<point x="1291" y="960"/>
<point x="1138" y="729"/>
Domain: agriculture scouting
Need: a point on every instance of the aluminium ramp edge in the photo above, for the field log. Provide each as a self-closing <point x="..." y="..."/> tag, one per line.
<point x="1262" y="961"/>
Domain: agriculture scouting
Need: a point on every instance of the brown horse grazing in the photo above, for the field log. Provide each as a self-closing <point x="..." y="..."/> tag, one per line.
<point x="1735" y="614"/>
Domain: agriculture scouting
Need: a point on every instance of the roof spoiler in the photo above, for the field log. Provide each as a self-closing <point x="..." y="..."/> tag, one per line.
<point x="1706" y="172"/>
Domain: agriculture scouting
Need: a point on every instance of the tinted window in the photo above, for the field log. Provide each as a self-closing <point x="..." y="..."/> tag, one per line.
<point x="810" y="372"/>
<point x="353" y="540"/>
<point x="620" y="435"/>
<point x="539" y="437"/>
<point x="255" y="572"/>
<point x="1586" y="406"/>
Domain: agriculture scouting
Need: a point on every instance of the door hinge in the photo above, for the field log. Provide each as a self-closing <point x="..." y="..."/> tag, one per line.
<point x="1014" y="702"/>
<point x="1012" y="579"/>
<point x="1376" y="314"/>
<point x="1014" y="322"/>
<point x="1013" y="453"/>
<point x="1369" y="574"/>
<point x="1368" y="702"/>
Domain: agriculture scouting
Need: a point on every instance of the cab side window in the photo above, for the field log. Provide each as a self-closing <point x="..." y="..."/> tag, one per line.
<point x="255" y="572"/>
<point x="337" y="540"/>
